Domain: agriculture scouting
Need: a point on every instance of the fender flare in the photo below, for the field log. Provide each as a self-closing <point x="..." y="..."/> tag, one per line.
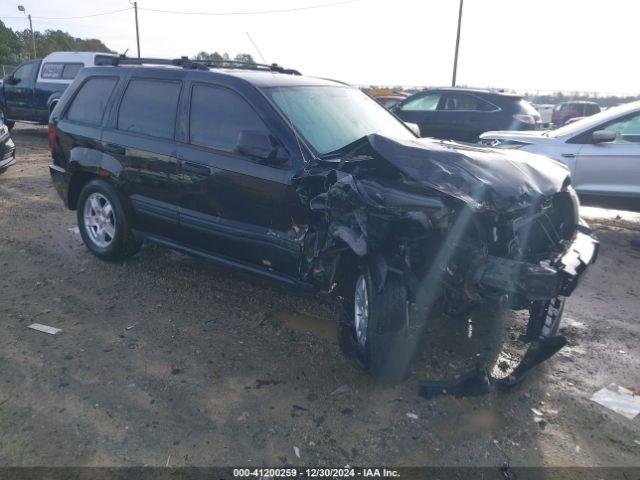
<point x="92" y="161"/>
<point x="85" y="164"/>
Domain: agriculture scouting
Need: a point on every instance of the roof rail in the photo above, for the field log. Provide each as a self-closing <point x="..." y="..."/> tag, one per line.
<point x="187" y="63"/>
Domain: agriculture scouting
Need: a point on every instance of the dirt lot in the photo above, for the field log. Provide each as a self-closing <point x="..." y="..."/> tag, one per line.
<point x="169" y="360"/>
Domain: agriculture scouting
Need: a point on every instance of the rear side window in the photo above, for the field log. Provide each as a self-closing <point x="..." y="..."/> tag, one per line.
<point x="59" y="70"/>
<point x="218" y="115"/>
<point x="463" y="102"/>
<point x="90" y="101"/>
<point x="592" y="109"/>
<point x="25" y="72"/>
<point x="149" y="107"/>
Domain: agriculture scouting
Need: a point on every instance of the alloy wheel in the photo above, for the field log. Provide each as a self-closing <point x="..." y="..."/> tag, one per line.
<point x="99" y="220"/>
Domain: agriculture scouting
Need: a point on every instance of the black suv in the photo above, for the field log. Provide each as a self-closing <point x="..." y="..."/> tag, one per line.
<point x="313" y="183"/>
<point x="463" y="114"/>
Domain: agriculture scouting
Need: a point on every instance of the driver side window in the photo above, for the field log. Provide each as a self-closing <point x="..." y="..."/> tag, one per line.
<point x="425" y="103"/>
<point x="627" y="131"/>
<point x="24" y="72"/>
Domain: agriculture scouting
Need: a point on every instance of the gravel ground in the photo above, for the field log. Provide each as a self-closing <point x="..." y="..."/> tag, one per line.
<point x="169" y="360"/>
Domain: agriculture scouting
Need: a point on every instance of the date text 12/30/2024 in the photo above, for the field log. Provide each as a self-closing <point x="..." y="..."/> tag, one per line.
<point x="346" y="472"/>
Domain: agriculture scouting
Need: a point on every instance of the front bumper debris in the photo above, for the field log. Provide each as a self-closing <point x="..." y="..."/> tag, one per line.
<point x="480" y="382"/>
<point x="540" y="281"/>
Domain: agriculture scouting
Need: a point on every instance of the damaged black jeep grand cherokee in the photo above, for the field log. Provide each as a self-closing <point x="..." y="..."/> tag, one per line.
<point x="313" y="183"/>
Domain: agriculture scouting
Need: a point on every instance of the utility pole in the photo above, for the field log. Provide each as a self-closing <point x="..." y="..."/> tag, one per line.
<point x="455" y="60"/>
<point x="135" y="8"/>
<point x="33" y="38"/>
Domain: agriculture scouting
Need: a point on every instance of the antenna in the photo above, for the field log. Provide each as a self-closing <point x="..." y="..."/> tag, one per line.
<point x="286" y="103"/>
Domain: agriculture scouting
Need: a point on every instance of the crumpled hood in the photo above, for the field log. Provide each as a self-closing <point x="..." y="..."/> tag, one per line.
<point x="484" y="178"/>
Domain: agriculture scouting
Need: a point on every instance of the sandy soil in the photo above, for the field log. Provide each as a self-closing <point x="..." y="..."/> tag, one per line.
<point x="169" y="360"/>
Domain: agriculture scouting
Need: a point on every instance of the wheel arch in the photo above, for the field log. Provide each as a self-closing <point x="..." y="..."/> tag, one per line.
<point x="77" y="182"/>
<point x="88" y="164"/>
<point x="53" y="99"/>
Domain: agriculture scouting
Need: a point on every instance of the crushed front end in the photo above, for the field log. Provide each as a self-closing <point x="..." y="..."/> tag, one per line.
<point x="460" y="224"/>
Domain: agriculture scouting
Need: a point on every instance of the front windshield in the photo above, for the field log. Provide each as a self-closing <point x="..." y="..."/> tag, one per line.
<point x="330" y="118"/>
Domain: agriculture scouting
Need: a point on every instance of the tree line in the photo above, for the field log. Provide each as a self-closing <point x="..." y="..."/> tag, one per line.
<point x="16" y="46"/>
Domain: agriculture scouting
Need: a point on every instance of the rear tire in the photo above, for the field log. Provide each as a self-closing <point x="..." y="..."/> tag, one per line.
<point x="373" y="327"/>
<point x="104" y="223"/>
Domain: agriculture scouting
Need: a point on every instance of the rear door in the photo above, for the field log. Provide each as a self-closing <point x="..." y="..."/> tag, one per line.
<point x="18" y="92"/>
<point x="140" y="137"/>
<point x="463" y="117"/>
<point x="421" y="110"/>
<point x="232" y="205"/>
<point x="611" y="168"/>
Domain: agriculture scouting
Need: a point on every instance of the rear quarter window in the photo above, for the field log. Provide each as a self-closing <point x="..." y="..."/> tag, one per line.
<point x="89" y="103"/>
<point x="60" y="70"/>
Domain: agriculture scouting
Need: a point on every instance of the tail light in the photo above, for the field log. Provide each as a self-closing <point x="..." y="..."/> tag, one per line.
<point x="53" y="139"/>
<point x="528" y="119"/>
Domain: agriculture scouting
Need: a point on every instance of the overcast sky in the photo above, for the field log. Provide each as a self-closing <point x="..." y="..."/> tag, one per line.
<point x="522" y="44"/>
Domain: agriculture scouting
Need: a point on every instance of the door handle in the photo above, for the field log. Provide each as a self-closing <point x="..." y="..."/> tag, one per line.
<point x="114" y="148"/>
<point x="568" y="155"/>
<point x="196" y="168"/>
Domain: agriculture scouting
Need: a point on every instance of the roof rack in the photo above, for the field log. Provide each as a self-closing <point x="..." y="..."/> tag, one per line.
<point x="189" y="64"/>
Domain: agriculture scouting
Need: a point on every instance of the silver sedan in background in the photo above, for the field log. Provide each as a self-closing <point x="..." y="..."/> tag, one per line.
<point x="602" y="151"/>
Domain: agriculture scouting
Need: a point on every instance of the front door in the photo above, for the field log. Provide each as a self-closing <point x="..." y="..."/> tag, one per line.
<point x="611" y="168"/>
<point x="421" y="110"/>
<point x="232" y="205"/>
<point x="18" y="92"/>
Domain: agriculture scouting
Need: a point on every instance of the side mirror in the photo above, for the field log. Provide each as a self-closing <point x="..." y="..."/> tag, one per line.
<point x="414" y="127"/>
<point x="11" y="80"/>
<point x="603" y="136"/>
<point x="261" y="146"/>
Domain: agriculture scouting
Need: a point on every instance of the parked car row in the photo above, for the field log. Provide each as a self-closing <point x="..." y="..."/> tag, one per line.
<point x="463" y="114"/>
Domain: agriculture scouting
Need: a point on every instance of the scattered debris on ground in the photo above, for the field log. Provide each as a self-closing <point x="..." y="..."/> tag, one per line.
<point x="45" y="328"/>
<point x="618" y="399"/>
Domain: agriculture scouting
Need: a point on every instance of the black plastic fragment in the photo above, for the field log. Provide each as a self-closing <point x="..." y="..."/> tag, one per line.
<point x="479" y="382"/>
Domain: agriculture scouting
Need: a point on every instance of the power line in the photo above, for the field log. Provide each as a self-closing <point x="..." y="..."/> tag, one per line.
<point x="75" y="17"/>
<point x="255" y="12"/>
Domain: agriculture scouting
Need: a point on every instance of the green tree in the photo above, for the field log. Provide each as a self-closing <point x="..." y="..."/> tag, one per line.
<point x="244" y="57"/>
<point x="16" y="46"/>
<point x="10" y="46"/>
<point x="217" y="57"/>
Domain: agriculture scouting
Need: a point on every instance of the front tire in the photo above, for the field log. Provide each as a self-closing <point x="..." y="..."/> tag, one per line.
<point x="373" y="327"/>
<point x="104" y="224"/>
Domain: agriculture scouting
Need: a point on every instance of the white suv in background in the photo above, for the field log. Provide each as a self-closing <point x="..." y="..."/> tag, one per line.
<point x="602" y="151"/>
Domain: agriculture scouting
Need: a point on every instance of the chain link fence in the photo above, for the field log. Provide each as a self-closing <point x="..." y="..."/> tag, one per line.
<point x="6" y="69"/>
